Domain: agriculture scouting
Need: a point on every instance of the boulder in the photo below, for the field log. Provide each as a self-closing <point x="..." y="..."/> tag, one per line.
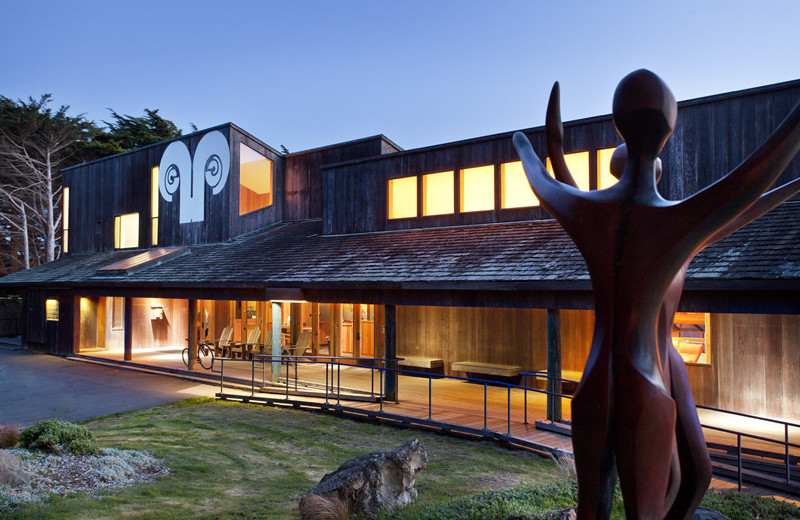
<point x="11" y="472"/>
<point x="371" y="482"/>
<point x="706" y="513"/>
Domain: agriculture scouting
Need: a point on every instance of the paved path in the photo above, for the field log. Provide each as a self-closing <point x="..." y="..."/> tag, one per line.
<point x="38" y="386"/>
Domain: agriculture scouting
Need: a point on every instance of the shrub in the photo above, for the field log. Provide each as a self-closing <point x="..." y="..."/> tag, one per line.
<point x="56" y="436"/>
<point x="9" y="436"/>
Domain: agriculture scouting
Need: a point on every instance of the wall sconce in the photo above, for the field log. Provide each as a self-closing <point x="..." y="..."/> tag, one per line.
<point x="156" y="312"/>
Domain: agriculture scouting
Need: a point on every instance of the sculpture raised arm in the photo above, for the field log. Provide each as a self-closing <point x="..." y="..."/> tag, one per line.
<point x="554" y="133"/>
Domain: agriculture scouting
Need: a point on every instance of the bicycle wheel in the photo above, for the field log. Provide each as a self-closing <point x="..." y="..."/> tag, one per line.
<point x="185" y="356"/>
<point x="205" y="357"/>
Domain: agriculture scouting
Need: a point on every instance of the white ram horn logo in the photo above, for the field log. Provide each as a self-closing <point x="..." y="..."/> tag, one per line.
<point x="212" y="160"/>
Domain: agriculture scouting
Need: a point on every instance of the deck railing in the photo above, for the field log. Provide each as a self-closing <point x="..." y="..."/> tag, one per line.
<point x="333" y="389"/>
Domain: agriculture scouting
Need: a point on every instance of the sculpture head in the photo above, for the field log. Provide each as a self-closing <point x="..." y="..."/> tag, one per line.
<point x="645" y="112"/>
<point x="620" y="157"/>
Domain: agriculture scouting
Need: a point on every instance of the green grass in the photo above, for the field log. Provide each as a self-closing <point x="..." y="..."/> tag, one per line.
<point x="229" y="460"/>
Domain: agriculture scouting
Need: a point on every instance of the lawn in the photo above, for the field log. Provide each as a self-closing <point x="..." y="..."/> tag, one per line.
<point x="231" y="460"/>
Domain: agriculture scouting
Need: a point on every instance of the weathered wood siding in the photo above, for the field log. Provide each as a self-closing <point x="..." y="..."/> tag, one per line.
<point x="121" y="184"/>
<point x="304" y="177"/>
<point x="713" y="135"/>
<point x="754" y="366"/>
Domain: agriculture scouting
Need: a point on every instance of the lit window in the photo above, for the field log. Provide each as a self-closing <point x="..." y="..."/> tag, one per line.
<point x="154" y="206"/>
<point x="126" y="231"/>
<point x="65" y="222"/>
<point x="578" y="164"/>
<point x="51" y="310"/>
<point x="438" y="196"/>
<point x="477" y="188"/>
<point x="402" y="197"/>
<point x="690" y="336"/>
<point x="604" y="177"/>
<point x="515" y="190"/>
<point x="255" y="180"/>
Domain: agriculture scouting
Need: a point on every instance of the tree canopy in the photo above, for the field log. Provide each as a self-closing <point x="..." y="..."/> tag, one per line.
<point x="36" y="142"/>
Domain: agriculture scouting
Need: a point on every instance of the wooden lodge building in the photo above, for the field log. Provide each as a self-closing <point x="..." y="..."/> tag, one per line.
<point x="436" y="253"/>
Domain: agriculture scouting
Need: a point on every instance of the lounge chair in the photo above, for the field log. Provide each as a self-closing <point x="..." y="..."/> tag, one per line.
<point x="245" y="350"/>
<point x="222" y="345"/>
<point x="299" y="348"/>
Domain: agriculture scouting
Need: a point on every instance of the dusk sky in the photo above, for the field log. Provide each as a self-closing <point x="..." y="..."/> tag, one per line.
<point x="311" y="73"/>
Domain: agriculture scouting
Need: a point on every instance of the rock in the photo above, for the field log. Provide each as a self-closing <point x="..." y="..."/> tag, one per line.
<point x="706" y="513"/>
<point x="371" y="482"/>
<point x="11" y="472"/>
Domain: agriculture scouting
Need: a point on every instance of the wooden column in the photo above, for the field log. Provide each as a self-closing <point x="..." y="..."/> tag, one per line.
<point x="315" y="329"/>
<point x="296" y="325"/>
<point x="356" y="331"/>
<point x="336" y="329"/>
<point x="553" y="364"/>
<point x="276" y="342"/>
<point x="192" y="335"/>
<point x="128" y="324"/>
<point x="390" y="353"/>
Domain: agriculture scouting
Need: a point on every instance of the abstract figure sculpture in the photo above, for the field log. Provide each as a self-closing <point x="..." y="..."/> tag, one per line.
<point x="637" y="246"/>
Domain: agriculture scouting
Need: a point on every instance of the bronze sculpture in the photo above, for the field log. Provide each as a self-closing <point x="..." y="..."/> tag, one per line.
<point x="636" y="246"/>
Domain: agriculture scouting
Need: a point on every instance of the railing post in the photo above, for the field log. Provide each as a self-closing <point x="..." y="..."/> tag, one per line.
<point x="381" y="384"/>
<point x="739" y="458"/>
<point x="338" y="381"/>
<point x="485" y="406"/>
<point x="430" y="395"/>
<point x="786" y="446"/>
<point x="221" y="375"/>
<point x="525" y="402"/>
<point x="326" y="382"/>
<point x="509" y="409"/>
<point x="287" y="378"/>
<point x="252" y="378"/>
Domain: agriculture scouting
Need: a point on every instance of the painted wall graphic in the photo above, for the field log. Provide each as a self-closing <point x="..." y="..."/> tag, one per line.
<point x="211" y="164"/>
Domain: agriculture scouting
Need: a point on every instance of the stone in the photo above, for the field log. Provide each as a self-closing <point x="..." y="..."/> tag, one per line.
<point x="706" y="513"/>
<point x="370" y="483"/>
<point x="11" y="472"/>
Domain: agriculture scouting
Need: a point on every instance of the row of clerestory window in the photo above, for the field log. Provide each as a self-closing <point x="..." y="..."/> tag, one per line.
<point x="476" y="187"/>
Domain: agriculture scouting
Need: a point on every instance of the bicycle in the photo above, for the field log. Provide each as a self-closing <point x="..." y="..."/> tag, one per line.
<point x="205" y="356"/>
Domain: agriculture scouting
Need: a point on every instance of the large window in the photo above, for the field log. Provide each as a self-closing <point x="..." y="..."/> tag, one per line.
<point x="126" y="231"/>
<point x="255" y="180"/>
<point x="578" y="164"/>
<point x="154" y="206"/>
<point x="117" y="313"/>
<point x="515" y="190"/>
<point x="438" y="197"/>
<point x="477" y="188"/>
<point x="690" y="336"/>
<point x="65" y="222"/>
<point x="402" y="197"/>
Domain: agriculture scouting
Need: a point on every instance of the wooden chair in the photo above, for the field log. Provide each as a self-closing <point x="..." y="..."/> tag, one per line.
<point x="299" y="348"/>
<point x="222" y="345"/>
<point x="245" y="349"/>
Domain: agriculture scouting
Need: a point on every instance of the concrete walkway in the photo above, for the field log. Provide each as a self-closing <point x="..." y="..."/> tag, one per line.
<point x="38" y="386"/>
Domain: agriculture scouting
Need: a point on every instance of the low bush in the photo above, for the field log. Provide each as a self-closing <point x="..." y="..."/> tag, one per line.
<point x="9" y="436"/>
<point x="56" y="436"/>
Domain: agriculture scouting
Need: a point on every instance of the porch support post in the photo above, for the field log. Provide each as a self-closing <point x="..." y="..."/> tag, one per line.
<point x="553" y="364"/>
<point x="390" y="353"/>
<point x="315" y="329"/>
<point x="277" y="320"/>
<point x="128" y="322"/>
<point x="192" y="335"/>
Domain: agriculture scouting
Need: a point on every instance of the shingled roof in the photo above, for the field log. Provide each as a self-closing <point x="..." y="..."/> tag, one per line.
<point x="512" y="256"/>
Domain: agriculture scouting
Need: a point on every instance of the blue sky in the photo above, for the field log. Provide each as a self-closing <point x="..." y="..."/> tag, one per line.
<point x="310" y="73"/>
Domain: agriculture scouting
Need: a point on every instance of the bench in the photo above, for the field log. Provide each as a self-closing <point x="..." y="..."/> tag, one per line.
<point x="487" y="369"/>
<point x="422" y="364"/>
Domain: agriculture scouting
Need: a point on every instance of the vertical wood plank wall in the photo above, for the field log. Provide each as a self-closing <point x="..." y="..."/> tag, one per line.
<point x="755" y="365"/>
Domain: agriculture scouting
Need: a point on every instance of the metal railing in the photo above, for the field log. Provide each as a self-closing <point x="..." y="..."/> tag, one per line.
<point x="333" y="390"/>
